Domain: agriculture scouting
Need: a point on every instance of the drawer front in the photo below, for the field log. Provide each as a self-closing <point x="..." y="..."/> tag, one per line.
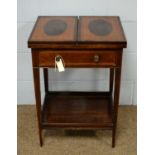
<point x="78" y="58"/>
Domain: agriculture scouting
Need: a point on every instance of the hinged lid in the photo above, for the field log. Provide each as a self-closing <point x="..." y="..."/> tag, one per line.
<point x="54" y="29"/>
<point x="70" y="32"/>
<point x="100" y="29"/>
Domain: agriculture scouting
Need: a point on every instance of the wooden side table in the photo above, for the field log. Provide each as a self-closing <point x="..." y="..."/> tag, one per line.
<point x="84" y="42"/>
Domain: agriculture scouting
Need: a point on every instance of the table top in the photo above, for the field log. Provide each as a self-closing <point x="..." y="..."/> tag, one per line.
<point x="85" y="29"/>
<point x="100" y="29"/>
<point x="54" y="29"/>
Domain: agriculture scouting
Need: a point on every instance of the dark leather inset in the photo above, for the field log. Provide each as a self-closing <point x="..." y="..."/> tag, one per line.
<point x="55" y="27"/>
<point x="100" y="27"/>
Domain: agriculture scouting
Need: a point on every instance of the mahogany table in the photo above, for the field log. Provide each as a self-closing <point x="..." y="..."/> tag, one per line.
<point x="84" y="42"/>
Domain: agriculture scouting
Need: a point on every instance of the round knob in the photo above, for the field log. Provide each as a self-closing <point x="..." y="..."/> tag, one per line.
<point x="96" y="58"/>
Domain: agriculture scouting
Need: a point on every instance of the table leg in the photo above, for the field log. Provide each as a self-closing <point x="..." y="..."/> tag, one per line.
<point x="45" y="71"/>
<point x="116" y="102"/>
<point x="111" y="80"/>
<point x="36" y="75"/>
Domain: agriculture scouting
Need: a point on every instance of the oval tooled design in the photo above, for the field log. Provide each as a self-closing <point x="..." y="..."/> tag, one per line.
<point x="100" y="27"/>
<point x="55" y="27"/>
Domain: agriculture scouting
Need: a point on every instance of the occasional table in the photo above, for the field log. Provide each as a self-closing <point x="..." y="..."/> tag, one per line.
<point x="82" y="42"/>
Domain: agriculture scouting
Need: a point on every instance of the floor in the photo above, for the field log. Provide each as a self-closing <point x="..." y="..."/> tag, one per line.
<point x="77" y="142"/>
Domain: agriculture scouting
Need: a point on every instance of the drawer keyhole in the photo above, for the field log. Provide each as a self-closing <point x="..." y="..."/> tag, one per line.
<point x="96" y="58"/>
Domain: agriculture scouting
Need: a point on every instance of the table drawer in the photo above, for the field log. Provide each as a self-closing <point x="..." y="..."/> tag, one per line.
<point x="78" y="58"/>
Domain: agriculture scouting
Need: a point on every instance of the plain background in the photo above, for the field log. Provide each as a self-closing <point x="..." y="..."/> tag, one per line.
<point x="79" y="79"/>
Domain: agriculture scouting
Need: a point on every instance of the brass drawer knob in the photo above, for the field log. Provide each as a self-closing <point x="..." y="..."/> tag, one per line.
<point x="96" y="58"/>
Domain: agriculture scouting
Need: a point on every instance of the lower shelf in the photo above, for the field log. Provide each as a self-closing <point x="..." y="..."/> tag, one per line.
<point x="77" y="110"/>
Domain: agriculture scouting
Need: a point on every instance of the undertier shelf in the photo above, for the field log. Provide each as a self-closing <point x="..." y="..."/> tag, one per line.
<point x="77" y="110"/>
